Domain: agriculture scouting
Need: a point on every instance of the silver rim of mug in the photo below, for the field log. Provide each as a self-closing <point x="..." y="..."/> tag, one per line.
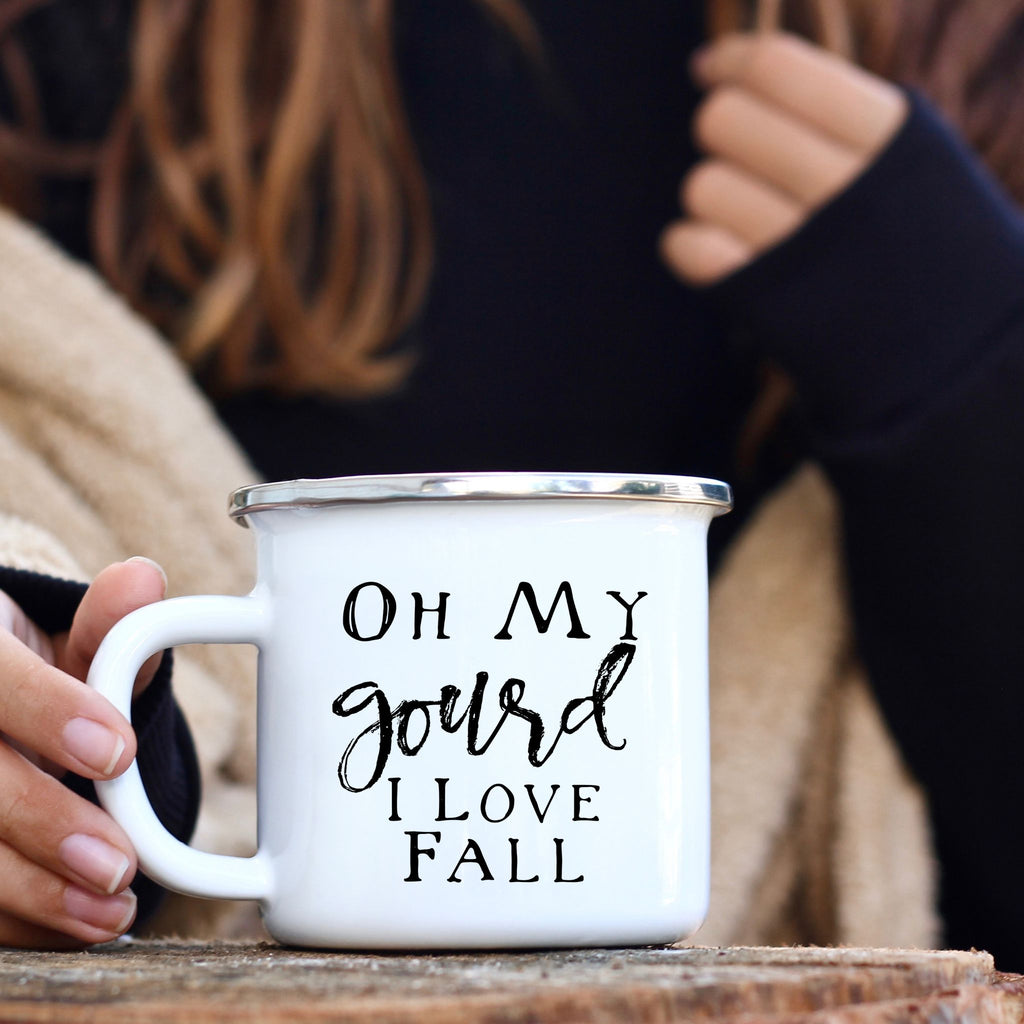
<point x="348" y="490"/>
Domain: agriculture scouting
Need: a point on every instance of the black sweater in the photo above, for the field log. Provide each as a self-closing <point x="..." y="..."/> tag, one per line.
<point x="553" y="339"/>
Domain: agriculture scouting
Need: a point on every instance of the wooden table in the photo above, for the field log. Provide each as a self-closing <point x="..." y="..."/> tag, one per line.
<point x="174" y="982"/>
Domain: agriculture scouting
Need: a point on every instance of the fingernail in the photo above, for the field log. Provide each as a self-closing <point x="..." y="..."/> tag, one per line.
<point x="95" y="860"/>
<point x="109" y="913"/>
<point x="149" y="561"/>
<point x="93" y="744"/>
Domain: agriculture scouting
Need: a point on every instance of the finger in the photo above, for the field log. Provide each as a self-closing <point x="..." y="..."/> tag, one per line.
<point x="773" y="145"/>
<point x="701" y="253"/>
<point x="116" y="591"/>
<point x="51" y="826"/>
<point x="723" y="194"/>
<point x="59" y="718"/>
<point x="836" y="97"/>
<point x="42" y="899"/>
<point x="14" y="620"/>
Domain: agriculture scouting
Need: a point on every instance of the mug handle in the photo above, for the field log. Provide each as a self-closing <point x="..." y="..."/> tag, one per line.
<point x="141" y="633"/>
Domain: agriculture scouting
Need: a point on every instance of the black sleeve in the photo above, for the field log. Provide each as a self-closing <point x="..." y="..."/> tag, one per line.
<point x="166" y="756"/>
<point x="899" y="311"/>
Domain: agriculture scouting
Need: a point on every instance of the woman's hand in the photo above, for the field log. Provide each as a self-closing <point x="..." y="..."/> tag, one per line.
<point x="786" y="126"/>
<point x="65" y="865"/>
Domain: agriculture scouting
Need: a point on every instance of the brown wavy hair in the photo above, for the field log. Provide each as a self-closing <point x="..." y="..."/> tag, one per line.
<point x="259" y="197"/>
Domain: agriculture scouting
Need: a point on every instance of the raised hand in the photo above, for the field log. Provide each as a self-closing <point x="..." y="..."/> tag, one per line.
<point x="786" y="126"/>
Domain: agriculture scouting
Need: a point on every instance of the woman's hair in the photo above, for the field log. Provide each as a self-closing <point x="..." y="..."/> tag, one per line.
<point x="260" y="199"/>
<point x="826" y="21"/>
<point x="258" y="196"/>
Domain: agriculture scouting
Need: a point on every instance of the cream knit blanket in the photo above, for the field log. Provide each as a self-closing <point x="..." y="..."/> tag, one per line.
<point x="107" y="450"/>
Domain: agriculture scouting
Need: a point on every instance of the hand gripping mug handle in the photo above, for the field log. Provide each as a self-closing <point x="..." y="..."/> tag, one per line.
<point x="180" y="620"/>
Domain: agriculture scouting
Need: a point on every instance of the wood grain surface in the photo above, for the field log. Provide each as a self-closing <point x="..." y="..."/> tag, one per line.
<point x="200" y="982"/>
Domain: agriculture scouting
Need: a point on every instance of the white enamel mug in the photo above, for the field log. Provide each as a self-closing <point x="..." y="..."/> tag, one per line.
<point x="482" y="710"/>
